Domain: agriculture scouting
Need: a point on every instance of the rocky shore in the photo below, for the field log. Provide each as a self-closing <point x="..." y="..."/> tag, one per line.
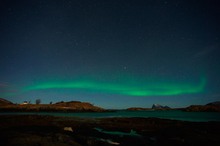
<point x="38" y="130"/>
<point x="33" y="130"/>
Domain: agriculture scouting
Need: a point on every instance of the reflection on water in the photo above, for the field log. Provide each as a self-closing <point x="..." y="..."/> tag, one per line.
<point x="173" y="114"/>
<point x="119" y="133"/>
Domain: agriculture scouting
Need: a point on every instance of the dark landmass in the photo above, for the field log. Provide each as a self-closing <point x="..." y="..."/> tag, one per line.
<point x="217" y="103"/>
<point x="36" y="130"/>
<point x="77" y="106"/>
<point x="33" y="130"/>
<point x="5" y="102"/>
<point x="160" y="107"/>
<point x="210" y="107"/>
<point x="72" y="106"/>
<point x="138" y="109"/>
<point x="154" y="107"/>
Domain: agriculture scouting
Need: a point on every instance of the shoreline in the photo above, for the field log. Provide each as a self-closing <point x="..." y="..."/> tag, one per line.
<point x="49" y="130"/>
<point x="163" y="114"/>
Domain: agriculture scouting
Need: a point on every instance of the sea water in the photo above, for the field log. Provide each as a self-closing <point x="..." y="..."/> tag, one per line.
<point x="172" y="114"/>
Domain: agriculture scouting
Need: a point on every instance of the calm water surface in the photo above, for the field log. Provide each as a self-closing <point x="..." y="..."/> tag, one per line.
<point x="176" y="115"/>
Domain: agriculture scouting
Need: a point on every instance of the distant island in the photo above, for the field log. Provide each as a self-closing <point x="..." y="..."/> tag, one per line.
<point x="77" y="106"/>
<point x="154" y="107"/>
<point x="210" y="107"/>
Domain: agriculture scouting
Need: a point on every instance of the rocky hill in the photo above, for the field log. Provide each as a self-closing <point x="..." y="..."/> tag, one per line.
<point x="154" y="107"/>
<point x="72" y="106"/>
<point x="160" y="107"/>
<point x="4" y="102"/>
<point x="77" y="105"/>
<point x="217" y="103"/>
<point x="210" y="107"/>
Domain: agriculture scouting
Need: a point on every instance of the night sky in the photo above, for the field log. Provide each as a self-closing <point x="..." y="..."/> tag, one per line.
<point x="112" y="53"/>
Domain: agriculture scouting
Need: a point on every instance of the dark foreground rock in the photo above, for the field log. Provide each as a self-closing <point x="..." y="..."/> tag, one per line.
<point x="32" y="130"/>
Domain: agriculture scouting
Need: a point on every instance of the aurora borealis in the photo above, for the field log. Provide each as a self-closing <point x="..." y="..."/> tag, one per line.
<point x="154" y="89"/>
<point x="114" y="54"/>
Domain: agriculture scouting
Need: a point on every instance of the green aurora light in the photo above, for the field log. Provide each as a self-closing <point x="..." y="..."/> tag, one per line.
<point x="130" y="89"/>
